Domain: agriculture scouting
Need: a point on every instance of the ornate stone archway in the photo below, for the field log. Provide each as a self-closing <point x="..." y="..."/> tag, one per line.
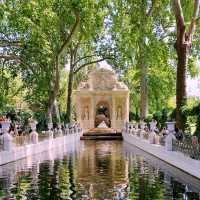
<point x="102" y="89"/>
<point x="102" y="113"/>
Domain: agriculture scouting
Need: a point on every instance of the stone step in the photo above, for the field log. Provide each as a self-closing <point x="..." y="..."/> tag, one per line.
<point x="101" y="134"/>
<point x="101" y="137"/>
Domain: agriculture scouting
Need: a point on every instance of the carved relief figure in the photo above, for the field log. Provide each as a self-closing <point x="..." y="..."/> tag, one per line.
<point x="84" y="85"/>
<point x="86" y="113"/>
<point x="103" y="82"/>
<point x="119" y="113"/>
<point x="121" y="85"/>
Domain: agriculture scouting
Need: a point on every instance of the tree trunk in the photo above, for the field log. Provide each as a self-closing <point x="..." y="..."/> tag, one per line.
<point x="69" y="94"/>
<point x="50" y="107"/>
<point x="143" y="92"/>
<point x="181" y="95"/>
<point x="54" y="92"/>
<point x="49" y="116"/>
<point x="143" y="82"/>
<point x="183" y="45"/>
<point x="57" y="113"/>
<point x="143" y="69"/>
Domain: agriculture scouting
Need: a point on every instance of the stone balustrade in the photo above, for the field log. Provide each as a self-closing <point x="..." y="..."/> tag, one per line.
<point x="189" y="148"/>
<point x="151" y="136"/>
<point x="18" y="147"/>
<point x="9" y="142"/>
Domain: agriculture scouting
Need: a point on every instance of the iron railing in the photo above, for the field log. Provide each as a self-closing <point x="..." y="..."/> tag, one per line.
<point x="187" y="148"/>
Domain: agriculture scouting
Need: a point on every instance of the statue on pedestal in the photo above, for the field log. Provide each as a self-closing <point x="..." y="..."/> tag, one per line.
<point x="86" y="113"/>
<point x="59" y="130"/>
<point x="153" y="125"/>
<point x="50" y="132"/>
<point x="169" y="141"/>
<point x="119" y="113"/>
<point x="34" y="134"/>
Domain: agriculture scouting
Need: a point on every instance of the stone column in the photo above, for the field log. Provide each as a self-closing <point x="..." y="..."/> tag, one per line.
<point x="113" y="124"/>
<point x="93" y="111"/>
<point x="126" y="117"/>
<point x="78" y="108"/>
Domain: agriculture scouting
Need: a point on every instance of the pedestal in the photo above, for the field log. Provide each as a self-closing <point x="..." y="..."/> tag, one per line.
<point x="50" y="132"/>
<point x="7" y="138"/>
<point x="34" y="134"/>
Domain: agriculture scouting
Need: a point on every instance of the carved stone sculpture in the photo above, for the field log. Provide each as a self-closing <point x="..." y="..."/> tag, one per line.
<point x="86" y="113"/>
<point x="119" y="113"/>
<point x="84" y="85"/>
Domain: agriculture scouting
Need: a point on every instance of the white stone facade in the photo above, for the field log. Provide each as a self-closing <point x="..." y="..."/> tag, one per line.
<point x="102" y="91"/>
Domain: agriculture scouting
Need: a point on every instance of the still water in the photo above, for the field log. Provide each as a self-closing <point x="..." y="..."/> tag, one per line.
<point x="95" y="170"/>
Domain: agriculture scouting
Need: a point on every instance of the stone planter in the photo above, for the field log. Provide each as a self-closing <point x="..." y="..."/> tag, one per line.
<point x="7" y="138"/>
<point x="50" y="126"/>
<point x="50" y="132"/>
<point x="152" y="137"/>
<point x="5" y="126"/>
<point x="142" y="126"/>
<point x="171" y="126"/>
<point x="33" y="125"/>
<point x="34" y="134"/>
<point x="59" y="130"/>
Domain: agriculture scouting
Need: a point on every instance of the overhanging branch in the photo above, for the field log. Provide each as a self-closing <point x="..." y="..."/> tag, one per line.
<point x="178" y="13"/>
<point x="84" y="57"/>
<point x="69" y="37"/>
<point x="194" y="19"/>
<point x="90" y="63"/>
<point x="150" y="11"/>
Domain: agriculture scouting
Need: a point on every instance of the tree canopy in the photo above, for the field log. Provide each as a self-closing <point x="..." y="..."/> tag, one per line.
<point x="139" y="39"/>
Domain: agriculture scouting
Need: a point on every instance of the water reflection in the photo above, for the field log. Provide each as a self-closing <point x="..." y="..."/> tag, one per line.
<point x="95" y="170"/>
<point x="101" y="170"/>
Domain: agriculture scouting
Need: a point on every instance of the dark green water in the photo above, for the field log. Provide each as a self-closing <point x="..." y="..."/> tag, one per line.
<point x="95" y="170"/>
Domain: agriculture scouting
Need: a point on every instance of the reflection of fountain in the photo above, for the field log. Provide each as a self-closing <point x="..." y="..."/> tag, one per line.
<point x="102" y="162"/>
<point x="91" y="191"/>
<point x="35" y="173"/>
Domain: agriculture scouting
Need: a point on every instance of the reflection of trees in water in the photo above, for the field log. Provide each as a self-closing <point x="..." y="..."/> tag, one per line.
<point x="98" y="171"/>
<point x="143" y="184"/>
<point x="147" y="182"/>
<point x="71" y="177"/>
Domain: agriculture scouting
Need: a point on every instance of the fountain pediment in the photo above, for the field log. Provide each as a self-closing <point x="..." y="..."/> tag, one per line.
<point x="102" y="79"/>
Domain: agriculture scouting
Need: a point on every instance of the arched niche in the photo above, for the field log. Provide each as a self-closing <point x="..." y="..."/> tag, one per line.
<point x="102" y="113"/>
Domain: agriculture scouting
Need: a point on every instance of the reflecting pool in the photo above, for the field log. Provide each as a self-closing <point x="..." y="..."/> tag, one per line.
<point x="95" y="170"/>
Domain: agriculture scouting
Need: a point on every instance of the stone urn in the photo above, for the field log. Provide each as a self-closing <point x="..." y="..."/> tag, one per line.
<point x="5" y="126"/>
<point x="67" y="129"/>
<point x="142" y="134"/>
<point x="171" y="126"/>
<point x="7" y="138"/>
<point x="59" y="131"/>
<point x="169" y="141"/>
<point x="142" y="125"/>
<point x="152" y="137"/>
<point x="50" y="132"/>
<point x="50" y="126"/>
<point x="34" y="134"/>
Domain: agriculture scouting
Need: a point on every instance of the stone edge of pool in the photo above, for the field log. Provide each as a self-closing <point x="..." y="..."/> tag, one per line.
<point x="32" y="149"/>
<point x="176" y="159"/>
